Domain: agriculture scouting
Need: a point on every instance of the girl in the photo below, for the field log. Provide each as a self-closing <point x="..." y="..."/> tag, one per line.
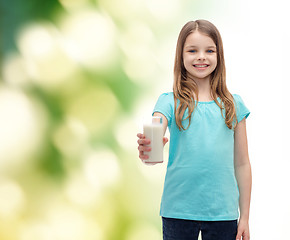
<point x="208" y="178"/>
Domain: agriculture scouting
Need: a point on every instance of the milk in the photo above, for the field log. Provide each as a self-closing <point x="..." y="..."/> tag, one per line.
<point x="154" y="132"/>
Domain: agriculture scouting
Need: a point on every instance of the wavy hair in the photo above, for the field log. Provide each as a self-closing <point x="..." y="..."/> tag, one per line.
<point x="185" y="88"/>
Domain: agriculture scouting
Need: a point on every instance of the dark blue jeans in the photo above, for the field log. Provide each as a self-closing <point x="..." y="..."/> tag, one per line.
<point x="179" y="229"/>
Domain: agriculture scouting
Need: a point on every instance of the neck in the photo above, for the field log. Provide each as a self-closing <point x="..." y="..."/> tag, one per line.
<point x="204" y="90"/>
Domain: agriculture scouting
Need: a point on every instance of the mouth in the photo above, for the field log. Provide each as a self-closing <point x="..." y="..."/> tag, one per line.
<point x="201" y="66"/>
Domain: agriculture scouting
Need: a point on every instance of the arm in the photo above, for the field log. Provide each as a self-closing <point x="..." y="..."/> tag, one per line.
<point x="164" y="121"/>
<point x="243" y="176"/>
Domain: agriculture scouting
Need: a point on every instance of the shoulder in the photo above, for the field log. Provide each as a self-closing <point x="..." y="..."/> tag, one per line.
<point x="242" y="110"/>
<point x="165" y="105"/>
<point x="167" y="96"/>
<point x="165" y="99"/>
<point x="237" y="99"/>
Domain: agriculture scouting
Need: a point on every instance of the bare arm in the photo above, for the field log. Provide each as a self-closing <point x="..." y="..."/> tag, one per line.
<point x="243" y="175"/>
<point x="164" y="121"/>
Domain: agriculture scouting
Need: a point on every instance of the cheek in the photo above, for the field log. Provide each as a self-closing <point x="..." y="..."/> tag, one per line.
<point x="187" y="64"/>
<point x="187" y="59"/>
<point x="214" y="61"/>
<point x="214" y="67"/>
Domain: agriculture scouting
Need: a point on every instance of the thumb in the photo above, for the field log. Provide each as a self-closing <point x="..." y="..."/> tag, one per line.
<point x="165" y="140"/>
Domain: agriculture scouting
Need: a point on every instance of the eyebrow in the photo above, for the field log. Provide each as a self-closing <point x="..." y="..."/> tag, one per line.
<point x="191" y="46"/>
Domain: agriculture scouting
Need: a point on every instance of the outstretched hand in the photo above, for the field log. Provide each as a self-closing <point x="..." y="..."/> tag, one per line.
<point x="143" y="146"/>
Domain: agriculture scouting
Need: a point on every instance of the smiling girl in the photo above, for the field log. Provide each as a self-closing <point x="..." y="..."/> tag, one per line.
<point x="208" y="180"/>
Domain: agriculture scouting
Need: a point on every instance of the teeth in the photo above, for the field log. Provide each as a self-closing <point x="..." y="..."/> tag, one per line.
<point x="200" y="65"/>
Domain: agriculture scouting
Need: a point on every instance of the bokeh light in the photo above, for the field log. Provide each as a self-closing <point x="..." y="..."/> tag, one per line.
<point x="12" y="201"/>
<point x="41" y="46"/>
<point x="91" y="36"/>
<point x="22" y="128"/>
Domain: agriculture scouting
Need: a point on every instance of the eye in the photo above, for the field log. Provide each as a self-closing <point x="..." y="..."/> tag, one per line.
<point x="192" y="51"/>
<point x="210" y="51"/>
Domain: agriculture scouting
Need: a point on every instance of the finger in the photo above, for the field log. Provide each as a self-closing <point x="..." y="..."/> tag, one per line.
<point x="239" y="236"/>
<point x="140" y="135"/>
<point x="165" y="140"/>
<point x="142" y="148"/>
<point x="143" y="141"/>
<point x="143" y="156"/>
<point x="246" y="237"/>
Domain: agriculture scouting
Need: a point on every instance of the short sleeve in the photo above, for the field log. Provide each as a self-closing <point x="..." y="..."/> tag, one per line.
<point x="242" y="110"/>
<point x="164" y="106"/>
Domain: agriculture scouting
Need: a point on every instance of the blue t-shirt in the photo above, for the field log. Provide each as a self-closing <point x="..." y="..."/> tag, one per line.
<point x="200" y="181"/>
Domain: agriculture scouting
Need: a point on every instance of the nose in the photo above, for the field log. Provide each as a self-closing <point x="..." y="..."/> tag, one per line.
<point x="201" y="56"/>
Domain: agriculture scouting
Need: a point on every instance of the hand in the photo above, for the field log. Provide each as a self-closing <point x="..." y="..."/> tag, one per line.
<point x="243" y="230"/>
<point x="142" y="146"/>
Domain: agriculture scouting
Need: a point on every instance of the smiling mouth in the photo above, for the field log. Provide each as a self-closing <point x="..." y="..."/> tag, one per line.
<point x="200" y="65"/>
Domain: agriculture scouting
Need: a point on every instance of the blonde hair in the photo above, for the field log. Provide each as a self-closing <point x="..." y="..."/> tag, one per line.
<point x="184" y="90"/>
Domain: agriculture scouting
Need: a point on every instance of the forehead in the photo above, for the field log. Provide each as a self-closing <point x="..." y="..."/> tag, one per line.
<point x="198" y="39"/>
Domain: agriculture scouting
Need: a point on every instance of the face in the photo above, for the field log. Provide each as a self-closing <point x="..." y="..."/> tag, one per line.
<point x="199" y="56"/>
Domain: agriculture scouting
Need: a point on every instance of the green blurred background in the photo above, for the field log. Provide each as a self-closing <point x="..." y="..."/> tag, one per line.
<point x="77" y="76"/>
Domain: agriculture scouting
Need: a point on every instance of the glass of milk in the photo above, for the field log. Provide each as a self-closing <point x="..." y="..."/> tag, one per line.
<point x="153" y="130"/>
